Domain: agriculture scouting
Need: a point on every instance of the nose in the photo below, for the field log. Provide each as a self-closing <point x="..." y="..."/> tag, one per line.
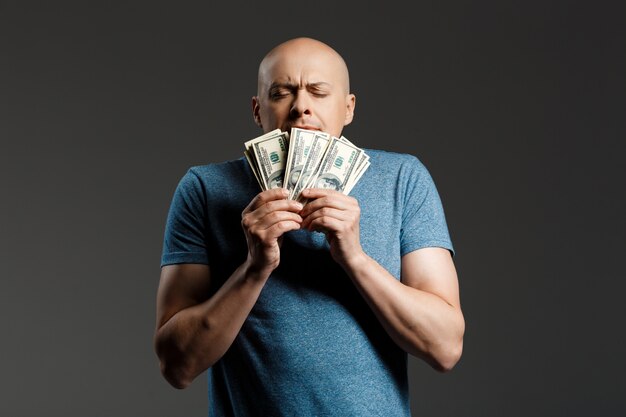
<point x="301" y="105"/>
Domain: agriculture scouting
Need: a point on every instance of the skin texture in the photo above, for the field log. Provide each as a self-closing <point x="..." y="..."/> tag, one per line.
<point x="304" y="83"/>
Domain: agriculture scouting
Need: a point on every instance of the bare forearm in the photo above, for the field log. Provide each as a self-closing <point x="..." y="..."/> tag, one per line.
<point x="420" y="322"/>
<point x="195" y="338"/>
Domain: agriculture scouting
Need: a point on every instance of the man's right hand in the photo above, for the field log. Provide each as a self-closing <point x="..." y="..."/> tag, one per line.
<point x="268" y="216"/>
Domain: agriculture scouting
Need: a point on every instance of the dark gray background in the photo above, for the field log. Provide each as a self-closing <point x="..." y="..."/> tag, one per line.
<point x="516" y="108"/>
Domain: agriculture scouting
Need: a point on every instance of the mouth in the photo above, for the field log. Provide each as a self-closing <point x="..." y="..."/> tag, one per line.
<point x="305" y="127"/>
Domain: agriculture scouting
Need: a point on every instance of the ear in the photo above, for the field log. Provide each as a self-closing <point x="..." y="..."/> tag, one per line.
<point x="350" y="104"/>
<point x="255" y="111"/>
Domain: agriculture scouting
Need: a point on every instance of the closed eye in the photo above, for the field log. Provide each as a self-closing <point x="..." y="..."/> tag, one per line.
<point x="319" y="93"/>
<point x="319" y="89"/>
<point x="279" y="93"/>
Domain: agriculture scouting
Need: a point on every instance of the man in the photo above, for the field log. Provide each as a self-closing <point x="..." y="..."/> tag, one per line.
<point x="306" y="310"/>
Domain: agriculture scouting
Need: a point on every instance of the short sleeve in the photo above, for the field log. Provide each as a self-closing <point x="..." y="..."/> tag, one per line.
<point x="423" y="220"/>
<point x="184" y="240"/>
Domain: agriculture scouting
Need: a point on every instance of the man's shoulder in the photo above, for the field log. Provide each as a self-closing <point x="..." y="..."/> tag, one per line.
<point x="212" y="169"/>
<point x="394" y="162"/>
<point x="217" y="178"/>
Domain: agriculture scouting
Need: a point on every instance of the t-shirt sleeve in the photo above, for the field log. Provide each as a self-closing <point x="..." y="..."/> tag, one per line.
<point x="423" y="220"/>
<point x="184" y="240"/>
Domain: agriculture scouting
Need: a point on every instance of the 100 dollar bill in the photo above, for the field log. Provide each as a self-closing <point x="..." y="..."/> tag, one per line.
<point x="338" y="166"/>
<point x="300" y="141"/>
<point x="271" y="157"/>
<point x="248" y="153"/>
<point x="305" y="159"/>
<point x="312" y="163"/>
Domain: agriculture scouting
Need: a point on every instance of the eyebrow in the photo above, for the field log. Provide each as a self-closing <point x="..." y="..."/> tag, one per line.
<point x="293" y="86"/>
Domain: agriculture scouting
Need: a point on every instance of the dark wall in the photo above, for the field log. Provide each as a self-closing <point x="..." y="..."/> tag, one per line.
<point x="516" y="108"/>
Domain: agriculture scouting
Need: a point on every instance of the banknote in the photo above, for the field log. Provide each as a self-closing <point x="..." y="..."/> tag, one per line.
<point x="270" y="154"/>
<point x="337" y="167"/>
<point x="356" y="178"/>
<point x="304" y="158"/>
<point x="361" y="167"/>
<point x="250" y="157"/>
<point x="300" y="141"/>
<point x="312" y="163"/>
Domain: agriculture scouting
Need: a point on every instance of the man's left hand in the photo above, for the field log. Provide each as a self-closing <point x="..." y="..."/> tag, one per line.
<point x="337" y="215"/>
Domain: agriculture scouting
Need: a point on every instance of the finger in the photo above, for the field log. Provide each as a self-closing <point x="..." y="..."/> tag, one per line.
<point x="256" y="225"/>
<point x="276" y="217"/>
<point x="266" y="196"/>
<point x="280" y="228"/>
<point x="326" y="211"/>
<point x="325" y="224"/>
<point x="277" y="205"/>
<point x="319" y="192"/>
<point x="338" y="201"/>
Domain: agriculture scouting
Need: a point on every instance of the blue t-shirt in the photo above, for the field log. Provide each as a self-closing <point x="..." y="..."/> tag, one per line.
<point x="311" y="346"/>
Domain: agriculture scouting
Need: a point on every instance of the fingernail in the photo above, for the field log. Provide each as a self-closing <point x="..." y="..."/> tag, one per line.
<point x="299" y="206"/>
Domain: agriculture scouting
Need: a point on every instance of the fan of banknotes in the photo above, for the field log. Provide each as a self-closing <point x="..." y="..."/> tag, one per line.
<point x="305" y="159"/>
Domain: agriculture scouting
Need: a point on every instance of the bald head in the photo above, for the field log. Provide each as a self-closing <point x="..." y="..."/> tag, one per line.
<point x="304" y="50"/>
<point x="303" y="83"/>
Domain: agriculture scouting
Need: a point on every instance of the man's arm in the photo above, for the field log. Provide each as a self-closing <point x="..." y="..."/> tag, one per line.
<point x="194" y="331"/>
<point x="422" y="312"/>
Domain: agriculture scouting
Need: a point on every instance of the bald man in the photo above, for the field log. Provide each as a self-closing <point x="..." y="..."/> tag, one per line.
<point x="306" y="310"/>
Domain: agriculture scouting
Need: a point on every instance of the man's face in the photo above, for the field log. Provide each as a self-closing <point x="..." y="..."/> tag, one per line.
<point x="306" y="87"/>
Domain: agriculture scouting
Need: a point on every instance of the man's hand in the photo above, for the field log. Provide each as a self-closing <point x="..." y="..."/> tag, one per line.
<point x="268" y="216"/>
<point x="422" y="312"/>
<point x="337" y="215"/>
<point x="193" y="331"/>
